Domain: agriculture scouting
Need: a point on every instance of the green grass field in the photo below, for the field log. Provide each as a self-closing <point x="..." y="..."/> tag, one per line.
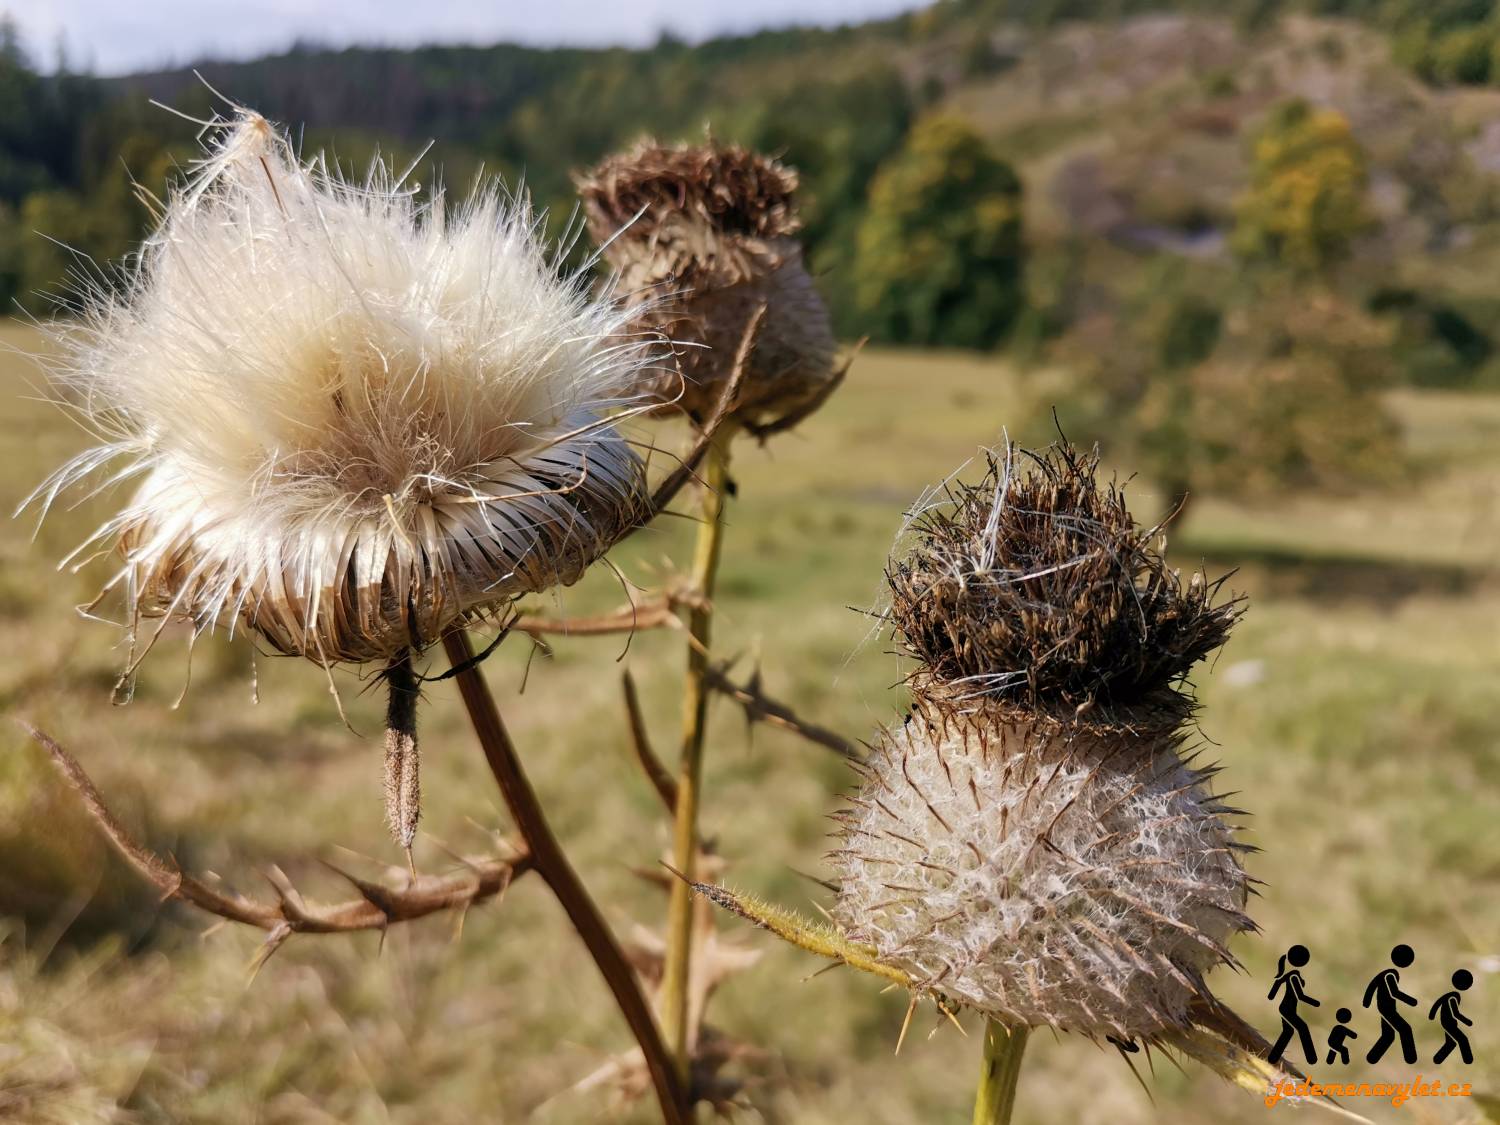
<point x="1354" y="710"/>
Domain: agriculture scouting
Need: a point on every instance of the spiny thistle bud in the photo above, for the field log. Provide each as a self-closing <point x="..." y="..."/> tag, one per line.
<point x="359" y="418"/>
<point x="1043" y="872"/>
<point x="1037" y="582"/>
<point x="1031" y="842"/>
<point x="701" y="236"/>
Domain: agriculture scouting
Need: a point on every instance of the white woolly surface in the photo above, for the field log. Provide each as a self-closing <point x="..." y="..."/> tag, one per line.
<point x="1086" y="884"/>
<point x="358" y="417"/>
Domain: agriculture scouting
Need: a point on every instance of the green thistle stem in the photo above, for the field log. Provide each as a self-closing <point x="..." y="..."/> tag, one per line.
<point x="996" y="1097"/>
<point x="678" y="967"/>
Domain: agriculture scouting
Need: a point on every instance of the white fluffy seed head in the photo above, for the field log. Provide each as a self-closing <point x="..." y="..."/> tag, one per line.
<point x="358" y="417"/>
<point x="1042" y="873"/>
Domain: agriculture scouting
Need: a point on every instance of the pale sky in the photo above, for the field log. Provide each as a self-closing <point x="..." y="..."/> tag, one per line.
<point x="119" y="36"/>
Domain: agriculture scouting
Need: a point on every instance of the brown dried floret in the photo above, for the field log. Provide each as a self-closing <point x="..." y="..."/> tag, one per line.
<point x="727" y="192"/>
<point x="701" y="237"/>
<point x="1037" y="583"/>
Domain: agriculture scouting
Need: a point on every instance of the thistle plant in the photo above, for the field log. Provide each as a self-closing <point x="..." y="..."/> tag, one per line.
<point x="701" y="240"/>
<point x="359" y="423"/>
<point x="1035" y="841"/>
<point x="1030" y="841"/>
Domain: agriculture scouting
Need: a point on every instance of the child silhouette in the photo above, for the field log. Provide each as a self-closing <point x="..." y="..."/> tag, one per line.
<point x="1445" y="1011"/>
<point x="1339" y="1036"/>
<point x="1385" y="989"/>
<point x="1289" y="983"/>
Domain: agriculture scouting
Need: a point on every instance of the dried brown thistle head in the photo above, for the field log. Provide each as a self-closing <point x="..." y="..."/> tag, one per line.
<point x="1031" y="842"/>
<point x="722" y="194"/>
<point x="701" y="236"/>
<point x="1038" y="584"/>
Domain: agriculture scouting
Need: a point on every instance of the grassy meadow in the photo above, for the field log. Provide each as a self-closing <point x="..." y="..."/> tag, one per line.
<point x="1354" y="711"/>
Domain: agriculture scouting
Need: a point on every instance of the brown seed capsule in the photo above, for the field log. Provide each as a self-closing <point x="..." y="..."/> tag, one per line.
<point x="701" y="236"/>
<point x="403" y="778"/>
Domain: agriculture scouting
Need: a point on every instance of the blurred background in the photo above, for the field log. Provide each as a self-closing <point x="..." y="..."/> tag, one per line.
<point x="1251" y="247"/>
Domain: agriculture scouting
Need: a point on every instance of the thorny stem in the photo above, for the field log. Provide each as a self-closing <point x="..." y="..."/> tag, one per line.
<point x="553" y="866"/>
<point x="377" y="908"/>
<point x="761" y="708"/>
<point x="661" y="780"/>
<point x="677" y="969"/>
<point x="995" y="1099"/>
<point x="658" y="614"/>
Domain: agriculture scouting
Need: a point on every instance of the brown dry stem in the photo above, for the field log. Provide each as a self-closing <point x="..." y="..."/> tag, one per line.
<point x="553" y="866"/>
<point x="658" y="613"/>
<point x="378" y="906"/>
<point x="640" y="741"/>
<point x="761" y="708"/>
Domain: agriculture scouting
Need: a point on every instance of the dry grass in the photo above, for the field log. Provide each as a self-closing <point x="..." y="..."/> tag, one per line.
<point x="1361" y="729"/>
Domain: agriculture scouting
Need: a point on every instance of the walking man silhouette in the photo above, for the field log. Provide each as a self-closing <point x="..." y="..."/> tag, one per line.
<point x="1385" y="990"/>
<point x="1289" y="983"/>
<point x="1446" y="1012"/>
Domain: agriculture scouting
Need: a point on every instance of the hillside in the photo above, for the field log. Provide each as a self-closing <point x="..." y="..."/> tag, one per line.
<point x="1159" y="104"/>
<point x="1128" y="131"/>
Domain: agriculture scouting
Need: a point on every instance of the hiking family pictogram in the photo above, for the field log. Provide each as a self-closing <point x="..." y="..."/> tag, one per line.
<point x="1384" y="993"/>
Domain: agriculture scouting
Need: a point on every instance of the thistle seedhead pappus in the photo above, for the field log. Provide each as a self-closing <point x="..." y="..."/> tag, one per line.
<point x="701" y="237"/>
<point x="357" y="417"/>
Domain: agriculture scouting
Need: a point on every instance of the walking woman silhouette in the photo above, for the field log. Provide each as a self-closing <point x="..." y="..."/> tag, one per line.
<point x="1289" y="983"/>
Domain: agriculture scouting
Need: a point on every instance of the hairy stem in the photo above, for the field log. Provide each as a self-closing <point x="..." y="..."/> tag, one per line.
<point x="403" y="787"/>
<point x="996" y="1097"/>
<point x="552" y="865"/>
<point x="696" y="690"/>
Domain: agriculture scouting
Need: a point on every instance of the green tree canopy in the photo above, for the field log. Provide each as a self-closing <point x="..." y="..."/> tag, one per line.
<point x="1287" y="398"/>
<point x="1307" y="199"/>
<point x="939" y="255"/>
